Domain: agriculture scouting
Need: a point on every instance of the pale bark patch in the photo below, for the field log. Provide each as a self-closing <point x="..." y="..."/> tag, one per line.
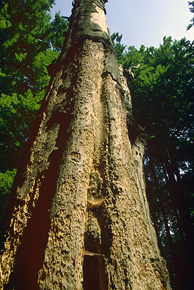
<point x="99" y="18"/>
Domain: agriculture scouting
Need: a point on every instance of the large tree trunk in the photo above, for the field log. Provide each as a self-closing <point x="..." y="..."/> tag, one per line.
<point x="80" y="218"/>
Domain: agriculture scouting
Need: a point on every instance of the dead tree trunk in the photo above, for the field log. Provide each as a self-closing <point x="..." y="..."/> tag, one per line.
<point x="79" y="215"/>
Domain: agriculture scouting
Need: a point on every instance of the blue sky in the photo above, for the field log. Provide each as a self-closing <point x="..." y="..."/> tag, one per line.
<point x="143" y="21"/>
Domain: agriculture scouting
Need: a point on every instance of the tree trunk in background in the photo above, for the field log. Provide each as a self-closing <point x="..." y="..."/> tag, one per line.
<point x="165" y="220"/>
<point x="175" y="261"/>
<point x="176" y="212"/>
<point x="180" y="199"/>
<point x="79" y="215"/>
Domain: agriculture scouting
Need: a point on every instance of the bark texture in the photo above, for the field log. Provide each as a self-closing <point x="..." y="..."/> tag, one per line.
<point x="79" y="213"/>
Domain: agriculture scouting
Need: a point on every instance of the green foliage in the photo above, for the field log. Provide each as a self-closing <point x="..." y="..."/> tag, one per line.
<point x="163" y="88"/>
<point x="6" y="180"/>
<point x="119" y="48"/>
<point x="17" y="113"/>
<point x="27" y="37"/>
<point x="58" y="25"/>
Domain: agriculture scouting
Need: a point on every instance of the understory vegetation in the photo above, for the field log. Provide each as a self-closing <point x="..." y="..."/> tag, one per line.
<point x="163" y="104"/>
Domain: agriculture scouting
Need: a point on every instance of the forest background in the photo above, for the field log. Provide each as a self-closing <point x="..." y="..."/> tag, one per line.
<point x="163" y="104"/>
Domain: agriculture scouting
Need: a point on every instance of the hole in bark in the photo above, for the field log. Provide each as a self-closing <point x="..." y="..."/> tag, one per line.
<point x="94" y="263"/>
<point x="94" y="273"/>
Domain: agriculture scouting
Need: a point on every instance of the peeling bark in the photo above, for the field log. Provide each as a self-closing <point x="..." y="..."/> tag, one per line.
<point x="80" y="218"/>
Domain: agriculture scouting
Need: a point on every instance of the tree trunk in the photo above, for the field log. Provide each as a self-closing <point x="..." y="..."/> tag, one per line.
<point x="165" y="220"/>
<point x="80" y="218"/>
<point x="181" y="202"/>
<point x="175" y="209"/>
<point x="175" y="261"/>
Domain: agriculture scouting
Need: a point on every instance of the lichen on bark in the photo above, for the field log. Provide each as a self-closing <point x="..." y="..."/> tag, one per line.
<point x="80" y="218"/>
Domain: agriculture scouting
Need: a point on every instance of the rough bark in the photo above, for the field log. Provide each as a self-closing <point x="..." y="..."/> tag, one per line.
<point x="80" y="218"/>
